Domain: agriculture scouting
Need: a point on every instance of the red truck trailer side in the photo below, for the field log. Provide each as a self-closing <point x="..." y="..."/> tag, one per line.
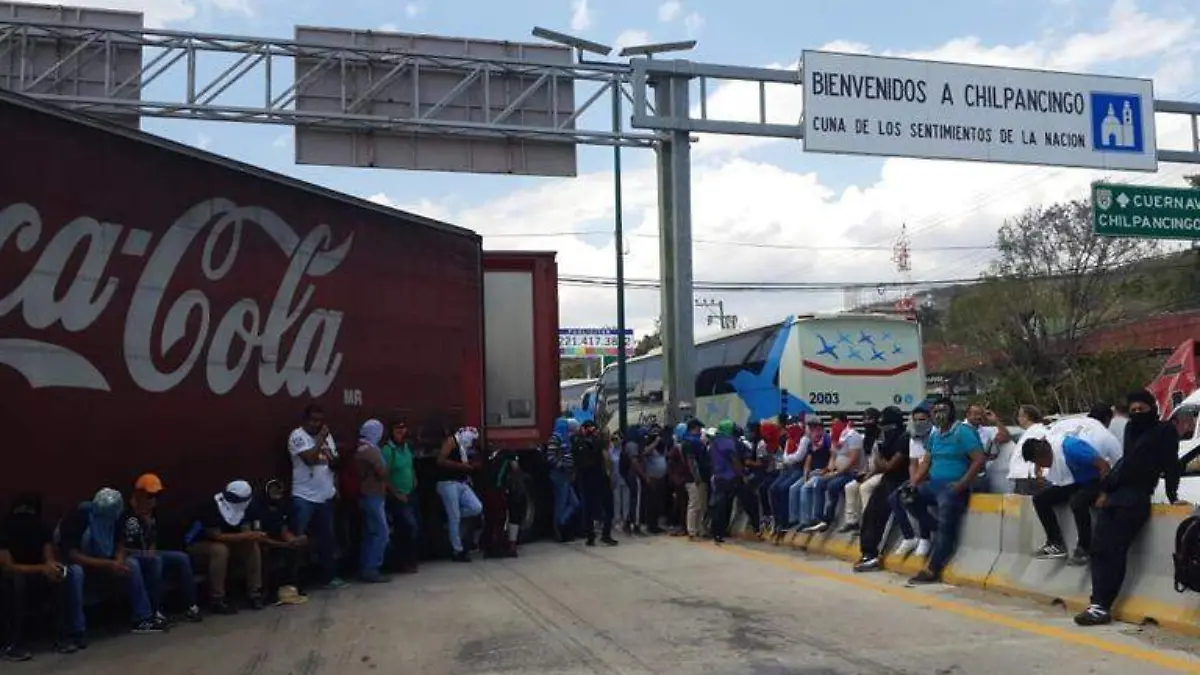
<point x="165" y="309"/>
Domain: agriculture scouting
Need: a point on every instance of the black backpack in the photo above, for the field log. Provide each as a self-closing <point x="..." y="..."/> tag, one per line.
<point x="1187" y="555"/>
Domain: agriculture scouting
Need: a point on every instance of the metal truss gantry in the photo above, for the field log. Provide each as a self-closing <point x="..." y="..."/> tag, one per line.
<point x="216" y="69"/>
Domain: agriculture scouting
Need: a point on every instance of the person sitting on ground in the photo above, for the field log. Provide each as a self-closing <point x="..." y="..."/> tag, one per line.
<point x="31" y="571"/>
<point x="227" y="528"/>
<point x="1151" y="451"/>
<point x="891" y="467"/>
<point x="282" y="549"/>
<point x="372" y="477"/>
<point x="1073" y="470"/>
<point x="454" y="486"/>
<point x="92" y="539"/>
<point x="848" y="462"/>
<point x="956" y="458"/>
<point x="141" y="544"/>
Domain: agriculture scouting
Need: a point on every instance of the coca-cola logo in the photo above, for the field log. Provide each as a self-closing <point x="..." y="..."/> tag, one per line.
<point x="224" y="344"/>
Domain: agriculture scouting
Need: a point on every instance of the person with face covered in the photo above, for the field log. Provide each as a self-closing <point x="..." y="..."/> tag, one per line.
<point x="889" y="470"/>
<point x="283" y="550"/>
<point x="227" y="528"/>
<point x="806" y="497"/>
<point x="372" y="481"/>
<point x="30" y="572"/>
<point x="454" y="486"/>
<point x="727" y="473"/>
<point x="592" y="483"/>
<point x="92" y="539"/>
<point x="791" y="471"/>
<point x="1151" y="451"/>
<point x="956" y="456"/>
<point x="562" y="477"/>
<point x="901" y="499"/>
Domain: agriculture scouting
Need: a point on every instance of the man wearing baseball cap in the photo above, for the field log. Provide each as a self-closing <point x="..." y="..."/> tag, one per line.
<point x="140" y="534"/>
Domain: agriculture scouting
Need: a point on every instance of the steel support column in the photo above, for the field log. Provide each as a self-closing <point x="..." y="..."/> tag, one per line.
<point x="675" y="223"/>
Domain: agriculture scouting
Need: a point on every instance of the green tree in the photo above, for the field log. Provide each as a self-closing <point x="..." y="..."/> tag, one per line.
<point x="649" y="341"/>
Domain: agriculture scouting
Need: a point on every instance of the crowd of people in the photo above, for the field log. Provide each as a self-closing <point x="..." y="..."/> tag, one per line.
<point x="799" y="475"/>
<point x="267" y="536"/>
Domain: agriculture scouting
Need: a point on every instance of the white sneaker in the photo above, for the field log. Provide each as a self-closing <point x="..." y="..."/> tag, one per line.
<point x="923" y="548"/>
<point x="905" y="547"/>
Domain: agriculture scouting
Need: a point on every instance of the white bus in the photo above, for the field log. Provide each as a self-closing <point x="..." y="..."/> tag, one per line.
<point x="836" y="363"/>
<point x="577" y="397"/>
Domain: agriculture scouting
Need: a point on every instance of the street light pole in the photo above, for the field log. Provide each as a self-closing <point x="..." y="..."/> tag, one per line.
<point x="619" y="236"/>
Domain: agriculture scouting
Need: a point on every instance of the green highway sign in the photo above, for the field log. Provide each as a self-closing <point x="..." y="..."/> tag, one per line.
<point x="1150" y="212"/>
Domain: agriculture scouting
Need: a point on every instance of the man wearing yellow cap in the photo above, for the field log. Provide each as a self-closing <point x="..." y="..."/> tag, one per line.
<point x="140" y="535"/>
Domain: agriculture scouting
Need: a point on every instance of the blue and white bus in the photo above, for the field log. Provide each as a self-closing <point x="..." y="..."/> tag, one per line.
<point x="827" y="364"/>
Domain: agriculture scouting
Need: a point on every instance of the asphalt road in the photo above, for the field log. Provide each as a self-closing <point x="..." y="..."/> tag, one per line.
<point x="652" y="605"/>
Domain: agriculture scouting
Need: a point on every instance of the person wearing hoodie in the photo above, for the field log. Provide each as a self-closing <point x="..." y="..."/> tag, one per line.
<point x="228" y="527"/>
<point x="31" y="571"/>
<point x="372" y="482"/>
<point x="592" y="483"/>
<point x="679" y="475"/>
<point x="562" y="478"/>
<point x="727" y="472"/>
<point x="454" y="486"/>
<point x="1151" y="451"/>
<point x="767" y="451"/>
<point x="889" y="470"/>
<point x="91" y="539"/>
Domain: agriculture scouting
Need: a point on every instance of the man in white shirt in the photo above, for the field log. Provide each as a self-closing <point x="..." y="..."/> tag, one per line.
<point x="312" y="450"/>
<point x="849" y="459"/>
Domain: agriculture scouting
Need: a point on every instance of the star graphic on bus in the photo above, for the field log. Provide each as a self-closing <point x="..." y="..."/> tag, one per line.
<point x="886" y="336"/>
<point x="758" y="391"/>
<point x="844" y="338"/>
<point x="865" y="337"/>
<point x="896" y="349"/>
<point x="855" y="354"/>
<point x="877" y="355"/>
<point x="827" y="348"/>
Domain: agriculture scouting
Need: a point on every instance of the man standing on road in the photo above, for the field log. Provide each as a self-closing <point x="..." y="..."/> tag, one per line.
<point x="700" y="470"/>
<point x="727" y="472"/>
<point x="1151" y="451"/>
<point x="313" y="451"/>
<point x="592" y="482"/>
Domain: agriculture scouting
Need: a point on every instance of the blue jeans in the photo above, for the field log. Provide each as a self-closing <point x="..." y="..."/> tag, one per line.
<point x="951" y="506"/>
<point x="566" y="501"/>
<point x="832" y="489"/>
<point x="900" y="515"/>
<point x="154" y="565"/>
<point x="320" y="518"/>
<point x="778" y="493"/>
<point x="140" y="577"/>
<point x="406" y="529"/>
<point x="375" y="535"/>
<point x="460" y="502"/>
<point x="812" y="500"/>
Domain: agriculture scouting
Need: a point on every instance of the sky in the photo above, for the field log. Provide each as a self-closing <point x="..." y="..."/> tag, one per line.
<point x="763" y="209"/>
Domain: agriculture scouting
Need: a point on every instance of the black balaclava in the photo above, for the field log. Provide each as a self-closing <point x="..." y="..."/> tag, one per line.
<point x="24" y="516"/>
<point x="891" y="424"/>
<point x="1143" y="421"/>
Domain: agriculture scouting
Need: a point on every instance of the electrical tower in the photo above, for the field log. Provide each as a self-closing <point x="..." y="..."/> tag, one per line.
<point x="726" y="321"/>
<point x="902" y="257"/>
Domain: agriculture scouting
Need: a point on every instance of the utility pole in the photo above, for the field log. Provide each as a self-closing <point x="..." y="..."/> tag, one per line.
<point x="726" y="321"/>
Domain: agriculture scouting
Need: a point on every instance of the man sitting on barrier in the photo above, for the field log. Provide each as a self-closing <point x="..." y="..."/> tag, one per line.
<point x="956" y="458"/>
<point x="1074" y="470"/>
<point x="1151" y="451"/>
<point x="890" y="469"/>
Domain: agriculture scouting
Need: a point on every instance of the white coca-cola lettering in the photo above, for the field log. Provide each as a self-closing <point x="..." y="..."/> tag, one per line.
<point x="310" y="363"/>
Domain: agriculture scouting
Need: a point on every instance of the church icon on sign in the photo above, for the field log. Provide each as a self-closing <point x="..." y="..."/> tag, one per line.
<point x="1117" y="123"/>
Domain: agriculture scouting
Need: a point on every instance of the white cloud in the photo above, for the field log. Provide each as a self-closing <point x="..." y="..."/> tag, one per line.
<point x="669" y="10"/>
<point x="581" y="15"/>
<point x="161" y="12"/>
<point x="797" y="218"/>
<point x="414" y="9"/>
<point x="631" y="37"/>
<point x="693" y="24"/>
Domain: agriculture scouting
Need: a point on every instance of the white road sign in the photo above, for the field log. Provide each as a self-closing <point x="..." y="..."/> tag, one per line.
<point x="871" y="105"/>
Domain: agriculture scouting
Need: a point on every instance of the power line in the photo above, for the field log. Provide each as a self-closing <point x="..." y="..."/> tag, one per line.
<point x="747" y="244"/>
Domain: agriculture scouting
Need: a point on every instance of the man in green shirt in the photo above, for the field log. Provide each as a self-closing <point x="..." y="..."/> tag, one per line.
<point x="401" y="497"/>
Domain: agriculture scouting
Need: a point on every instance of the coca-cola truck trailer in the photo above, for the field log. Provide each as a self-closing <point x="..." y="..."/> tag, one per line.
<point x="165" y="309"/>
